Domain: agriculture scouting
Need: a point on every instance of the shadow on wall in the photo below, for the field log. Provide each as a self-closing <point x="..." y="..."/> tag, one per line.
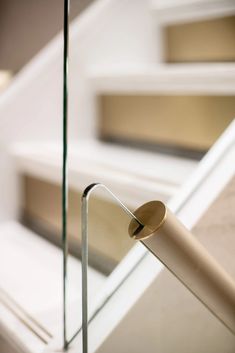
<point x="27" y="26"/>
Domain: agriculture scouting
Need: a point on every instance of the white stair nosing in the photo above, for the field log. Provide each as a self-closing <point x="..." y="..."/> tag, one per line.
<point x="216" y="79"/>
<point x="116" y="167"/>
<point x="176" y="12"/>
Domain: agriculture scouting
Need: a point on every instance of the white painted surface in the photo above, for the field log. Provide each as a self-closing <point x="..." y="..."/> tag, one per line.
<point x="17" y="337"/>
<point x="117" y="167"/>
<point x="31" y="274"/>
<point x="178" y="11"/>
<point x="207" y="78"/>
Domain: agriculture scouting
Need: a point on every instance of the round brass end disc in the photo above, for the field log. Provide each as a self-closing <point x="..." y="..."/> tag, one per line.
<point x="152" y="215"/>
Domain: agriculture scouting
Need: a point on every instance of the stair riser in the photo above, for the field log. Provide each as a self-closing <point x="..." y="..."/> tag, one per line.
<point x="183" y="122"/>
<point x="203" y="41"/>
<point x="108" y="238"/>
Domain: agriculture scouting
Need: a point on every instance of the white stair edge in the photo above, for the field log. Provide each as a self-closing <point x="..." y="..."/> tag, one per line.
<point x="217" y="79"/>
<point x="179" y="11"/>
<point x="116" y="167"/>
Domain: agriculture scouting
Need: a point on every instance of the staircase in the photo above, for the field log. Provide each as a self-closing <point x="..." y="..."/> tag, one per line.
<point x="146" y="79"/>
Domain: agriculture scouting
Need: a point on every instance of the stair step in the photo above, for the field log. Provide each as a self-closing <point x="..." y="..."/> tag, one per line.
<point x="166" y="78"/>
<point x="36" y="290"/>
<point x="179" y="106"/>
<point x="178" y="11"/>
<point x="117" y="167"/>
<point x="134" y="176"/>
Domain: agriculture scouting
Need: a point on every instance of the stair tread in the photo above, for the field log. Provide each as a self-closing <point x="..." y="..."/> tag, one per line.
<point x="37" y="288"/>
<point x="202" y="78"/>
<point x="176" y="11"/>
<point x="117" y="167"/>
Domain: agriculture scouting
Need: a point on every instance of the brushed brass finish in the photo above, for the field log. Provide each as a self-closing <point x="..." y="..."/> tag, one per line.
<point x="152" y="215"/>
<point x="166" y="237"/>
